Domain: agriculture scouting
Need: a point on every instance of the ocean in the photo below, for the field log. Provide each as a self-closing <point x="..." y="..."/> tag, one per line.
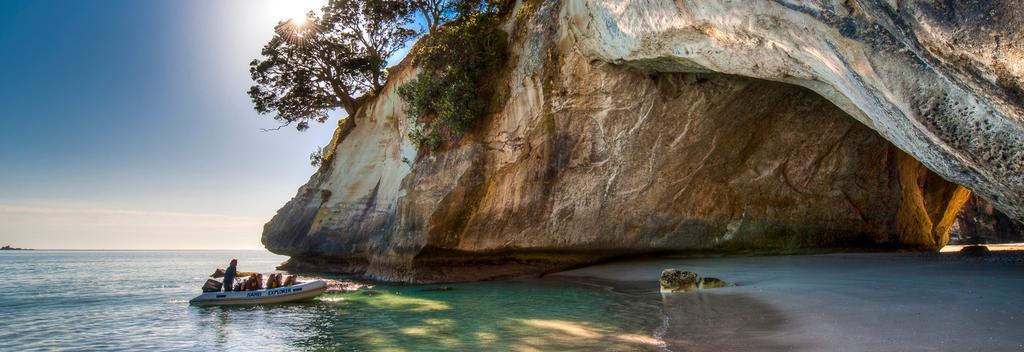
<point x="138" y="301"/>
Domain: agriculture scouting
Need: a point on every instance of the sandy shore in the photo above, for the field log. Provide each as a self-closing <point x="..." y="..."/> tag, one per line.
<point x="992" y="247"/>
<point x="837" y="302"/>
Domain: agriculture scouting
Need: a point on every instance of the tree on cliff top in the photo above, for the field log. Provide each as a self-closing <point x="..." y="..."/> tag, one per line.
<point x="436" y="12"/>
<point x="326" y="62"/>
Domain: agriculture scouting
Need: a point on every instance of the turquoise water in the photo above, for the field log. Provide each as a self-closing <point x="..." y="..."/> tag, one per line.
<point x="137" y="300"/>
<point x="132" y="301"/>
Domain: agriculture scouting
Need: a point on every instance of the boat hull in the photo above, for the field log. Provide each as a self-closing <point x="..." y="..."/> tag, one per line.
<point x="294" y="293"/>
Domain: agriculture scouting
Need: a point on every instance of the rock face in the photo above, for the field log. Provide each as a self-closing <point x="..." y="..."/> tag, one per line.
<point x="941" y="80"/>
<point x="980" y="222"/>
<point x="634" y="127"/>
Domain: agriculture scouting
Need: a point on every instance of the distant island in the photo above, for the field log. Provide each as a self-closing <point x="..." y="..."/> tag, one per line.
<point x="9" y="248"/>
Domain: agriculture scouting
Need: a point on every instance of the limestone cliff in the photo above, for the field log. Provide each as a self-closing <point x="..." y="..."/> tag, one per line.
<point x="633" y="127"/>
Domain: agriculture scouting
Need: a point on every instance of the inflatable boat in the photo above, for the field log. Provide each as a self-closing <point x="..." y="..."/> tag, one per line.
<point x="298" y="292"/>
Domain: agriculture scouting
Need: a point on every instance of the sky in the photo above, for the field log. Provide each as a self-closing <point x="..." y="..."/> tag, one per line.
<point x="124" y="124"/>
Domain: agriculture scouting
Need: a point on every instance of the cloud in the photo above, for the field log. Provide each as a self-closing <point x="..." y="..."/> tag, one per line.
<point x="83" y="227"/>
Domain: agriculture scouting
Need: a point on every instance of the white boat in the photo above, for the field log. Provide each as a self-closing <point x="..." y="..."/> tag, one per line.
<point x="298" y="292"/>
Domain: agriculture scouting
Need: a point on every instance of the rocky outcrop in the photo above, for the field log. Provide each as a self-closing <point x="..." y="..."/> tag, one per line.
<point x="711" y="282"/>
<point x="633" y="127"/>
<point x="980" y="222"/>
<point x="675" y="280"/>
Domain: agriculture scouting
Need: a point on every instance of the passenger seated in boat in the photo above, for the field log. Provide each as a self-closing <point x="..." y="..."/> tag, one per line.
<point x="289" y="281"/>
<point x="259" y="282"/>
<point x="250" y="283"/>
<point x="229" y="275"/>
<point x="274" y="281"/>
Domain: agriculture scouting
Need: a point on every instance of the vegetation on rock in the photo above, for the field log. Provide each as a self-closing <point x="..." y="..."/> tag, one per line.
<point x="316" y="158"/>
<point x="454" y="87"/>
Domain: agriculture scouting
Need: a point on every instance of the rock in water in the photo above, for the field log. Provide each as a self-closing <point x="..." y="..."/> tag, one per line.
<point x="675" y="280"/>
<point x="975" y="250"/>
<point x="710" y="282"/>
<point x="627" y="127"/>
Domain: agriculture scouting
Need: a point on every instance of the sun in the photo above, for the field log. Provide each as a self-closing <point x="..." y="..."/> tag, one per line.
<point x="293" y="10"/>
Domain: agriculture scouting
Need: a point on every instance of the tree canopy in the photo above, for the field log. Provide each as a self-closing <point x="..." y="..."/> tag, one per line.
<point x="436" y="12"/>
<point x="325" y="62"/>
<point x="328" y="61"/>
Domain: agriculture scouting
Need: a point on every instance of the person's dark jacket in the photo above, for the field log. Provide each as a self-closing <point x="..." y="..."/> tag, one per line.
<point x="229" y="277"/>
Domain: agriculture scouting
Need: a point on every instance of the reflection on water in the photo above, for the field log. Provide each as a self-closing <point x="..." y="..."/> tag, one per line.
<point x="518" y="316"/>
<point x="839" y="302"/>
<point x="710" y="321"/>
<point x="131" y="301"/>
<point x="138" y="301"/>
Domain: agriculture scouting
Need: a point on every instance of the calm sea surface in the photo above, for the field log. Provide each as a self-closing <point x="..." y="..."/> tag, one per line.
<point x="138" y="300"/>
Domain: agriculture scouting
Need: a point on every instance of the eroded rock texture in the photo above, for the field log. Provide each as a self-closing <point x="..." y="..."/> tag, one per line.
<point x="941" y="80"/>
<point x="645" y="126"/>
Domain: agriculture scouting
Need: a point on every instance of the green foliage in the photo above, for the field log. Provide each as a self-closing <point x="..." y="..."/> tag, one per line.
<point x="466" y="8"/>
<point x="327" y="62"/>
<point x="317" y="157"/>
<point x="437" y="12"/>
<point x="455" y="85"/>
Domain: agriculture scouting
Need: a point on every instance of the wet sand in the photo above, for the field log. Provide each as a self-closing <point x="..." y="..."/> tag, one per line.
<point x="836" y="302"/>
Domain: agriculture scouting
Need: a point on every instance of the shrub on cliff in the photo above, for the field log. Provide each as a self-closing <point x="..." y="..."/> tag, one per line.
<point x="458" y="63"/>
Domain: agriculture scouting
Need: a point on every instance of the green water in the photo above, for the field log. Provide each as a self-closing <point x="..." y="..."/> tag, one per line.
<point x="518" y="315"/>
<point x="131" y="301"/>
<point x="137" y="301"/>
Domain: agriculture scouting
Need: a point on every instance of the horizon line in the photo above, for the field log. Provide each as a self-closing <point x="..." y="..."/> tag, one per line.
<point x="133" y="250"/>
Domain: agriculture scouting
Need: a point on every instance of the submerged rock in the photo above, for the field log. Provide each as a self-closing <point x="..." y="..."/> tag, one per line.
<point x="630" y="127"/>
<point x="711" y="282"/>
<point x="675" y="280"/>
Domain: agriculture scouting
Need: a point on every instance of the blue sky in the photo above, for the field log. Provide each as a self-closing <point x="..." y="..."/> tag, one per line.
<point x="125" y="124"/>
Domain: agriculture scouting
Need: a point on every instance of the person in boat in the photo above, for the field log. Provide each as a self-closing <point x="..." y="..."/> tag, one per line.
<point x="251" y="283"/>
<point x="273" y="281"/>
<point x="259" y="282"/>
<point x="229" y="275"/>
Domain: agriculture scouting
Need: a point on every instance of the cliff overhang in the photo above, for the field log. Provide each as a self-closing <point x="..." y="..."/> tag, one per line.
<point x="634" y="127"/>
